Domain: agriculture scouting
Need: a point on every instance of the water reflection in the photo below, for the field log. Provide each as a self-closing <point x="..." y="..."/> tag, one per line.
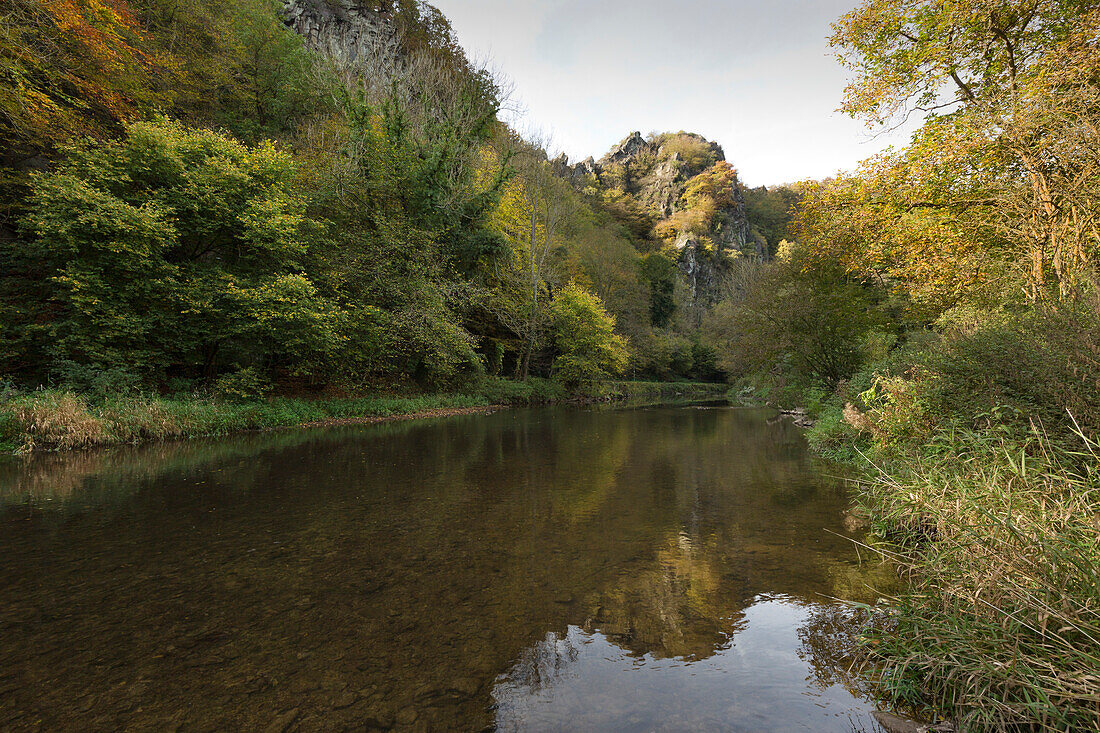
<point x="529" y="569"/>
<point x="583" y="680"/>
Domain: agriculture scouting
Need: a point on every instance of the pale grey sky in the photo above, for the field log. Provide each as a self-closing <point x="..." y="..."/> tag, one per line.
<point x="757" y="76"/>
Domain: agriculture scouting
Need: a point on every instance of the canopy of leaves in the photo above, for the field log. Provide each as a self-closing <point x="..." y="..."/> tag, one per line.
<point x="584" y="334"/>
<point x="1005" y="164"/>
<point x="175" y="250"/>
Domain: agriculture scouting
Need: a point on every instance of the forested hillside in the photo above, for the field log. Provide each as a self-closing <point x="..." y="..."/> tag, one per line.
<point x="247" y="198"/>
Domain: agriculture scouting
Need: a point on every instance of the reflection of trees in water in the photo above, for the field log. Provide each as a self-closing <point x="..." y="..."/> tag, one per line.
<point x="458" y="541"/>
<point x="678" y="606"/>
<point x="543" y="663"/>
<point x="830" y="645"/>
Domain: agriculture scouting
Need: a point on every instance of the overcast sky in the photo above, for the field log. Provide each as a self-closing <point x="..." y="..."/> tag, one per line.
<point x="757" y="76"/>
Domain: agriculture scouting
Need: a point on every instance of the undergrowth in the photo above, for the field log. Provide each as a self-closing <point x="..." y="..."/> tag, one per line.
<point x="66" y="420"/>
<point x="1001" y="625"/>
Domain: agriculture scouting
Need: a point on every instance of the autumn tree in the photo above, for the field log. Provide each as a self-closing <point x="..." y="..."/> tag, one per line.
<point x="584" y="335"/>
<point x="68" y="68"/>
<point x="535" y="208"/>
<point x="1007" y="157"/>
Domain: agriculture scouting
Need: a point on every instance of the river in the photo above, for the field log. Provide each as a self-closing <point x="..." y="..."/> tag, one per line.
<point x="651" y="569"/>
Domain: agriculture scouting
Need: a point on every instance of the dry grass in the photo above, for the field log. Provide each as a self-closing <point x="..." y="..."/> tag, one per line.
<point x="59" y="420"/>
<point x="1002" y="625"/>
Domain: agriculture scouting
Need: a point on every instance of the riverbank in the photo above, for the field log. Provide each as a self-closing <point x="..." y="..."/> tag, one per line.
<point x="65" y="420"/>
<point x="997" y="533"/>
<point x="1000" y="542"/>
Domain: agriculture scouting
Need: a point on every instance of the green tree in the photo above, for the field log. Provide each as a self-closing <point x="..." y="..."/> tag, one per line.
<point x="177" y="252"/>
<point x="771" y="212"/>
<point x="809" y="325"/>
<point x="584" y="334"/>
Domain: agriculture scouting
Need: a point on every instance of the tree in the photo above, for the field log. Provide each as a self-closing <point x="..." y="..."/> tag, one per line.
<point x="584" y="335"/>
<point x="535" y="208"/>
<point x="771" y="211"/>
<point x="68" y="68"/>
<point x="177" y="252"/>
<point x="809" y="324"/>
<point x="1013" y="151"/>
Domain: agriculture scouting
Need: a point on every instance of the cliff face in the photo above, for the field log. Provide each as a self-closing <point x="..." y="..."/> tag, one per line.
<point x="655" y="176"/>
<point x="655" y="182"/>
<point x="347" y="32"/>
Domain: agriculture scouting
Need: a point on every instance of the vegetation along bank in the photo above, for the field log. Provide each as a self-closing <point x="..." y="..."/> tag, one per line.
<point x="225" y="215"/>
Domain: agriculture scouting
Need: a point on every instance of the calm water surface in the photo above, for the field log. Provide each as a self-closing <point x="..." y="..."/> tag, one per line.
<point x="651" y="569"/>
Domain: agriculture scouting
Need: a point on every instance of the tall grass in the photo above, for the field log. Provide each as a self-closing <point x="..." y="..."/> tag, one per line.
<point x="1002" y="625"/>
<point x="65" y="420"/>
<point x="59" y="420"/>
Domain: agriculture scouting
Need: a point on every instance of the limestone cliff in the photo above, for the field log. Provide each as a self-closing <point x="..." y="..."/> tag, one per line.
<point x="347" y="32"/>
<point x="664" y="178"/>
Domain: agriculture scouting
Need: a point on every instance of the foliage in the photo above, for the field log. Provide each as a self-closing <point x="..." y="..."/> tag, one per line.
<point x="1028" y="372"/>
<point x="999" y="628"/>
<point x="771" y="212"/>
<point x="176" y="250"/>
<point x="809" y="324"/>
<point x="1001" y="172"/>
<point x="387" y="236"/>
<point x="584" y="334"/>
<point x="69" y="68"/>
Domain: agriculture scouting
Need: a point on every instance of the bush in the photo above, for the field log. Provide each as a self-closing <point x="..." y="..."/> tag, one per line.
<point x="584" y="335"/>
<point x="833" y="435"/>
<point x="1003" y="377"/>
<point x="1038" y="367"/>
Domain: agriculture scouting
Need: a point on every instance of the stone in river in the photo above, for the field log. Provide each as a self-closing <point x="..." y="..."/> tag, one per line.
<point x="282" y="721"/>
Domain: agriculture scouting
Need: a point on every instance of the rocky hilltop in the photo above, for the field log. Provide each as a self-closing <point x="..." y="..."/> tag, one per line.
<point x="348" y="32"/>
<point x="681" y="186"/>
<point x="675" y="190"/>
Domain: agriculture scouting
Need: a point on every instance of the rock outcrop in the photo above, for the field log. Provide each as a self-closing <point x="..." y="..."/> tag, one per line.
<point x="656" y="173"/>
<point x="347" y="32"/>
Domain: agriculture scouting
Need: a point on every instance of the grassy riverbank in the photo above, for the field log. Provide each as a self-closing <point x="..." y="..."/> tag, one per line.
<point x="997" y="531"/>
<point x="992" y="513"/>
<point x="65" y="420"/>
<point x="1000" y="628"/>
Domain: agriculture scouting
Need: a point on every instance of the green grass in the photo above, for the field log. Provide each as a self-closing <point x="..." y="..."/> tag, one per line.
<point x="1001" y="625"/>
<point x="64" y="420"/>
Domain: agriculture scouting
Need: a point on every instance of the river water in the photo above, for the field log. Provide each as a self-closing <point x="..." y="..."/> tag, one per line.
<point x="652" y="569"/>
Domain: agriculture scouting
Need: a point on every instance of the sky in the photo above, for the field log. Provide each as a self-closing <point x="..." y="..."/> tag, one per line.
<point x="757" y="76"/>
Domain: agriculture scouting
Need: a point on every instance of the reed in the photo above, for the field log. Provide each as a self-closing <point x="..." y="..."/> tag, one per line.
<point x="1001" y="627"/>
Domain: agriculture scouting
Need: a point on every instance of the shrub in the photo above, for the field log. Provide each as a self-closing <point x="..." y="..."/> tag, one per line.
<point x="584" y="335"/>
<point x="832" y="436"/>
<point x="1002" y="377"/>
<point x="1038" y="367"/>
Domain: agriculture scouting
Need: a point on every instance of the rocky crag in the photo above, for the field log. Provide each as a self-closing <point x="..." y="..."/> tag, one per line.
<point x="647" y="179"/>
<point x="347" y="32"/>
<point x="653" y="176"/>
